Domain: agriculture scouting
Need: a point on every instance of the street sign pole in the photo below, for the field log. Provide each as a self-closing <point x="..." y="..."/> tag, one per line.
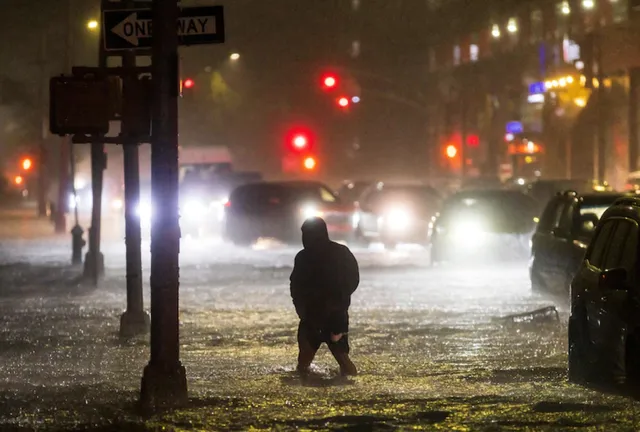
<point x="94" y="260"/>
<point x="164" y="382"/>
<point x="134" y="320"/>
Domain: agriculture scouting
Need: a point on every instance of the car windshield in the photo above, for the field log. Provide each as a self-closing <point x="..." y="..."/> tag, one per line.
<point x="503" y="211"/>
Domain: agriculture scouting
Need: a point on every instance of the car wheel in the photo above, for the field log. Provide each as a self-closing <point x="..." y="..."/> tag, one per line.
<point x="579" y="370"/>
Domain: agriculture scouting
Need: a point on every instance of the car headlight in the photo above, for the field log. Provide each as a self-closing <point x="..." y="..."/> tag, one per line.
<point x="468" y="232"/>
<point x="144" y="212"/>
<point x="194" y="208"/>
<point x="310" y="211"/>
<point x="398" y="219"/>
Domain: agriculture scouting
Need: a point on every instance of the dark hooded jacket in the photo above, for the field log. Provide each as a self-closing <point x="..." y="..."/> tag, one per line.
<point x="324" y="276"/>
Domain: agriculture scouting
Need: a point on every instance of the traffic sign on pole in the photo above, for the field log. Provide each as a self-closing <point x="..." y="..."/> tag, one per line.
<point x="132" y="29"/>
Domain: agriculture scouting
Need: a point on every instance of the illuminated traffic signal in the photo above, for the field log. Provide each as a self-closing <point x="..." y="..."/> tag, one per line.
<point x="329" y="82"/>
<point x="27" y="164"/>
<point x="188" y="83"/>
<point x="451" y="151"/>
<point x="309" y="163"/>
<point x="343" y="102"/>
<point x="18" y="180"/>
<point x="300" y="142"/>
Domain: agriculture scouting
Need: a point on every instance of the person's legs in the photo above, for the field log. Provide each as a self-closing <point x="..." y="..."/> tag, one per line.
<point x="340" y="351"/>
<point x="308" y="345"/>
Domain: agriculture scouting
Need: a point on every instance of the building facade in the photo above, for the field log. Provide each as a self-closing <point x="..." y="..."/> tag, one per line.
<point x="552" y="75"/>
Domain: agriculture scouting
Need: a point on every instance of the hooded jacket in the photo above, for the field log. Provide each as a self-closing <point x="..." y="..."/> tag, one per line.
<point x="324" y="277"/>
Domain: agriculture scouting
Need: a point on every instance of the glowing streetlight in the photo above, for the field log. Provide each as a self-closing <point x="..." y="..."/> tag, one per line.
<point x="588" y="4"/>
<point x="93" y="25"/>
<point x="512" y="26"/>
<point x="234" y="56"/>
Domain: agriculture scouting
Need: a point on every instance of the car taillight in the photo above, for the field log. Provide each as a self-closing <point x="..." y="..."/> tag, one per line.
<point x="227" y="204"/>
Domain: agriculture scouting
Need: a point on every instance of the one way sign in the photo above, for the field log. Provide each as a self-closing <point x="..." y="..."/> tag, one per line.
<point x="131" y="29"/>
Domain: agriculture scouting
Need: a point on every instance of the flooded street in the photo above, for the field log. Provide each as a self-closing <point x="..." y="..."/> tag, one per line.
<point x="431" y="344"/>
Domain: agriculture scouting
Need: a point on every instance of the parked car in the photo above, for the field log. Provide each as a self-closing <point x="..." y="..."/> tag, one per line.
<point x="544" y="190"/>
<point x="604" y="336"/>
<point x="562" y="235"/>
<point x="278" y="209"/>
<point x="395" y="213"/>
<point x="483" y="224"/>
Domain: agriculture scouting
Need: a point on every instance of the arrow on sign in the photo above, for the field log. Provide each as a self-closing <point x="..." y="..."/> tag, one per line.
<point x="133" y="29"/>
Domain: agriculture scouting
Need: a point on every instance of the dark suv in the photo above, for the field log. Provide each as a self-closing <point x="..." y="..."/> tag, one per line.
<point x="561" y="238"/>
<point x="604" y="336"/>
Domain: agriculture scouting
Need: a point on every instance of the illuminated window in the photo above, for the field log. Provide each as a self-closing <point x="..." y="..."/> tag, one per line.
<point x="619" y="10"/>
<point x="495" y="31"/>
<point x="355" y="49"/>
<point x="474" y="52"/>
<point x="456" y="55"/>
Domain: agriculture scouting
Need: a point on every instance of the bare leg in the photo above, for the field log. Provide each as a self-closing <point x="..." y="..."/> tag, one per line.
<point x="340" y="351"/>
<point x="307" y="349"/>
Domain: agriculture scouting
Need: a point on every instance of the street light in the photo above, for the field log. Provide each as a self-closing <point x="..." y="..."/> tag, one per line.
<point x="234" y="56"/>
<point x="92" y="24"/>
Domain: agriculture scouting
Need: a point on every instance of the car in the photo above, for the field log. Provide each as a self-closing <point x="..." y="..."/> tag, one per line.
<point x="483" y="224"/>
<point x="543" y="190"/>
<point x="351" y="191"/>
<point x="395" y="213"/>
<point x="604" y="331"/>
<point x="278" y="209"/>
<point x="563" y="232"/>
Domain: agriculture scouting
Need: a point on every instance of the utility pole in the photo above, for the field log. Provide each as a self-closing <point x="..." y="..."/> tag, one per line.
<point x="634" y="141"/>
<point x="134" y="320"/>
<point x="94" y="260"/>
<point x="164" y="382"/>
<point x="602" y="113"/>
<point x="43" y="183"/>
<point x="463" y="131"/>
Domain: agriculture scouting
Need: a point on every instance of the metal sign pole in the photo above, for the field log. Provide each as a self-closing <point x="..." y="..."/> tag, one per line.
<point x="164" y="383"/>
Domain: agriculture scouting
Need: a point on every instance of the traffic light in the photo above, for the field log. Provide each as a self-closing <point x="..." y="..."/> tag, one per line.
<point x="188" y="83"/>
<point x="18" y="180"/>
<point x="309" y="163"/>
<point x="27" y="164"/>
<point x="300" y="142"/>
<point x="343" y="102"/>
<point x="451" y="151"/>
<point x="329" y="82"/>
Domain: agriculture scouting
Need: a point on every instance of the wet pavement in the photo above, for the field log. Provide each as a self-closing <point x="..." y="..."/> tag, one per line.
<point x="431" y="344"/>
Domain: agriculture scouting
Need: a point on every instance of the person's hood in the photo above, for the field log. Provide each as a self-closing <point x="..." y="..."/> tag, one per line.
<point x="314" y="233"/>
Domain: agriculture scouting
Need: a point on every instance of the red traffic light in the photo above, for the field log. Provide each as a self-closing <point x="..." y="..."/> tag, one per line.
<point x="300" y="142"/>
<point x="27" y="164"/>
<point x="451" y="151"/>
<point x="329" y="81"/>
<point x="188" y="83"/>
<point x="343" y="102"/>
<point x="309" y="163"/>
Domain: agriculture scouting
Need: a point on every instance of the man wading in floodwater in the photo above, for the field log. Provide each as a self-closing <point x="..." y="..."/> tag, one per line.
<point x="324" y="276"/>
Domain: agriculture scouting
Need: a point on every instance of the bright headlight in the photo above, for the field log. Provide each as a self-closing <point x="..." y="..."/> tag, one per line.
<point x="194" y="208"/>
<point x="398" y="219"/>
<point x="144" y="212"/>
<point x="310" y="211"/>
<point x="468" y="232"/>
